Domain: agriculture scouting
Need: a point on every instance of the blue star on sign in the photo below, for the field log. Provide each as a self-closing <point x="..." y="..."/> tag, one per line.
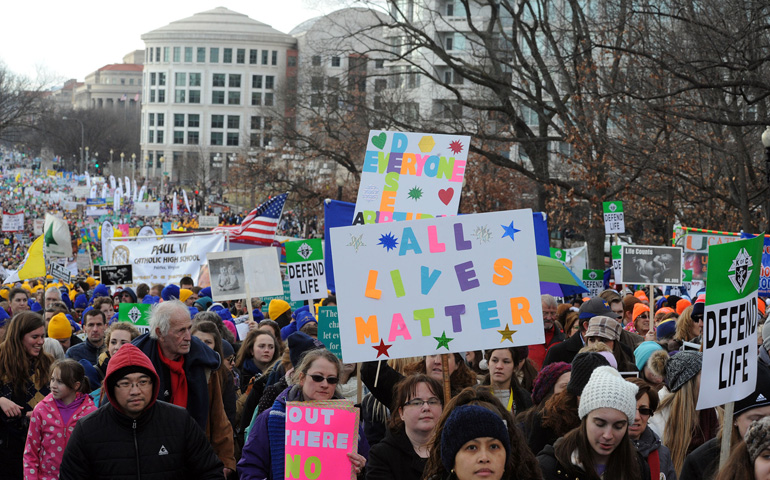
<point x="509" y="231"/>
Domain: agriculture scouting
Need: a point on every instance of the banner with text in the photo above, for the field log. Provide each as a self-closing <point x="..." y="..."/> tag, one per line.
<point x="648" y="265"/>
<point x="441" y="285"/>
<point x="594" y="281"/>
<point x="13" y="222"/>
<point x="147" y="209"/>
<point x="305" y="269"/>
<point x="329" y="330"/>
<point x="614" y="218"/>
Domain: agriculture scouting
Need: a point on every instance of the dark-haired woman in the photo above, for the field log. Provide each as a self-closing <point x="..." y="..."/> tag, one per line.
<point x="502" y="378"/>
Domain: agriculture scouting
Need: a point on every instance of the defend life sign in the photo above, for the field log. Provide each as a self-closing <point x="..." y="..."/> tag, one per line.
<point x="594" y="281"/>
<point x="305" y="269"/>
<point x="730" y="322"/>
<point x="614" y="219"/>
<point x="440" y="285"/>
<point x="406" y="176"/>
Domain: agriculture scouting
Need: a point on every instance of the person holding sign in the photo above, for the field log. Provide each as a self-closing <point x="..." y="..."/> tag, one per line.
<point x="315" y="379"/>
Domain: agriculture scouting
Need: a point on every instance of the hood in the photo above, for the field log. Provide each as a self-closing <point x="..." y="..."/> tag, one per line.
<point x="130" y="291"/>
<point x="130" y="355"/>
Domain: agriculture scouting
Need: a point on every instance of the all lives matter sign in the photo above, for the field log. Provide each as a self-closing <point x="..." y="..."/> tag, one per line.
<point x="614" y="220"/>
<point x="730" y="322"/>
<point x="306" y="270"/>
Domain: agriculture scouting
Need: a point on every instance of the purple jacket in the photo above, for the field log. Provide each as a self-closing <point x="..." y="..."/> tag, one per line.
<point x="261" y="447"/>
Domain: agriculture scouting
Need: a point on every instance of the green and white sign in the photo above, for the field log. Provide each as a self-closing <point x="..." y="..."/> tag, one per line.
<point x="616" y="262"/>
<point x="730" y="322"/>
<point x="137" y="314"/>
<point x="594" y="281"/>
<point x="305" y="269"/>
<point x="559" y="254"/>
<point x="329" y="330"/>
<point x="614" y="221"/>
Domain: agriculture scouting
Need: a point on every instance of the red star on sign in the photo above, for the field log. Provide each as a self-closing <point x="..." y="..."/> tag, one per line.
<point x="382" y="349"/>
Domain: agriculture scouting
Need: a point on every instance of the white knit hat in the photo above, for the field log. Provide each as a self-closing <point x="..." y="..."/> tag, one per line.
<point x="607" y="389"/>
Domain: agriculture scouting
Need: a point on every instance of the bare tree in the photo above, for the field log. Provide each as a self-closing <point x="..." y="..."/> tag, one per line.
<point x="23" y="102"/>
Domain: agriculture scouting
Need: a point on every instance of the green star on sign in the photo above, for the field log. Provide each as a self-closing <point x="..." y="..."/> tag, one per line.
<point x="49" y="239"/>
<point x="443" y="341"/>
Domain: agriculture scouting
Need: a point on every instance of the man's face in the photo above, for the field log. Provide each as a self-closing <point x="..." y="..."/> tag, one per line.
<point x="617" y="307"/>
<point x="133" y="393"/>
<point x="95" y="329"/>
<point x="549" y="316"/>
<point x="19" y="303"/>
<point x="125" y="297"/>
<point x="107" y="310"/>
<point x="177" y="341"/>
<point x="52" y="297"/>
<point x="191" y="300"/>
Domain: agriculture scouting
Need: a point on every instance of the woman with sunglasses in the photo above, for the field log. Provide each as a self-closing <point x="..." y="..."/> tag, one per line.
<point x="314" y="379"/>
<point x="640" y="322"/>
<point x="648" y="444"/>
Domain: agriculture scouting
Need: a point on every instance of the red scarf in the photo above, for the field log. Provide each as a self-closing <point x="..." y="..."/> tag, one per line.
<point x="178" y="379"/>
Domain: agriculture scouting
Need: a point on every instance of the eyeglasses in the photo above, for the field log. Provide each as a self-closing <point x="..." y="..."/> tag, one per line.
<point x="645" y="316"/>
<point x="321" y="378"/>
<point x="141" y="383"/>
<point x="645" y="411"/>
<point x="419" y="402"/>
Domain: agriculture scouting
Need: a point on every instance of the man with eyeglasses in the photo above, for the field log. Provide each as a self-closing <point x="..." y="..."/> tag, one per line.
<point x="553" y="334"/>
<point x="145" y="437"/>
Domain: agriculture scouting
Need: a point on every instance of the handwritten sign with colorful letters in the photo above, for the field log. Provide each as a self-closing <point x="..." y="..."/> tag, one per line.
<point x="439" y="285"/>
<point x="407" y="176"/>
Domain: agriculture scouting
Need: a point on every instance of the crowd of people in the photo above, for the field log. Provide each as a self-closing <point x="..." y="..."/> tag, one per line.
<point x="611" y="393"/>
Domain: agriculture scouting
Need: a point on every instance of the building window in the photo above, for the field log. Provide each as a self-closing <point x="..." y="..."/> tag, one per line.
<point x="165" y="54"/>
<point x="450" y="8"/>
<point x="335" y="61"/>
<point x="217" y="121"/>
<point x="151" y="136"/>
<point x="179" y="119"/>
<point x="178" y="137"/>
<point x="161" y="96"/>
<point x="192" y="138"/>
<point x="291" y="61"/>
<point x="201" y="55"/>
<point x="334" y="83"/>
<point x="218" y="97"/>
<point x="188" y="51"/>
<point x="267" y="140"/>
<point x="161" y="119"/>
<point x="162" y="79"/>
<point x="256" y="81"/>
<point x="254" y="140"/>
<point x="130" y="81"/>
<point x="160" y="136"/>
<point x="151" y="120"/>
<point x="253" y="56"/>
<point x="316" y="60"/>
<point x="268" y="99"/>
<point x="216" y="138"/>
<point x="264" y="57"/>
<point x="233" y="98"/>
<point x="193" y="120"/>
<point x="227" y="56"/>
<point x="274" y="57"/>
<point x="195" y="79"/>
<point x="317" y="84"/>
<point x="255" y="123"/>
<point x="152" y="96"/>
<point x="157" y="54"/>
<point x="180" y="79"/>
<point x="316" y="100"/>
<point x="194" y="96"/>
<point x="240" y="56"/>
<point x="380" y="84"/>
<point x="256" y="98"/>
<point x="233" y="121"/>
<point x="379" y="63"/>
<point x="152" y="79"/>
<point x="269" y="82"/>
<point x="218" y="80"/>
<point x="234" y="80"/>
<point x="232" y="139"/>
<point x="268" y="124"/>
<point x="179" y="95"/>
<point x="177" y="54"/>
<point x="213" y="55"/>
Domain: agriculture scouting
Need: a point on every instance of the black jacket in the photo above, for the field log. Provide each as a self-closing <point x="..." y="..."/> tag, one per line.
<point x="564" y="351"/>
<point x="394" y="458"/>
<point x="554" y="470"/>
<point x="163" y="443"/>
<point x="702" y="463"/>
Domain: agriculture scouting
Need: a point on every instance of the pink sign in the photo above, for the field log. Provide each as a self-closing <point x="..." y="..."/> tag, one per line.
<point x="319" y="435"/>
<point x="124" y="229"/>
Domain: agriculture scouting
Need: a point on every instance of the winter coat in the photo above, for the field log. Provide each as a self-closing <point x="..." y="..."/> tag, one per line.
<point x="564" y="351"/>
<point x="48" y="435"/>
<point x="263" y="454"/>
<point x="702" y="463"/>
<point x="84" y="351"/>
<point x="394" y="457"/>
<point x="553" y="469"/>
<point x="163" y="442"/>
<point x="649" y="442"/>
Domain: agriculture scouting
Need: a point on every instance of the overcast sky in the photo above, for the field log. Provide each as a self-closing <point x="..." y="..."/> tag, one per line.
<point x="72" y="39"/>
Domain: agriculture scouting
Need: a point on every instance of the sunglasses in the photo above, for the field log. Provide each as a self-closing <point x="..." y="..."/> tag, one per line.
<point x="643" y="316"/>
<point x="645" y="411"/>
<point x="321" y="378"/>
<point x="697" y="318"/>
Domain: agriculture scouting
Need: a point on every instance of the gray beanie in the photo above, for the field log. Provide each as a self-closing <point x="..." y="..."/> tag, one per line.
<point x="758" y="437"/>
<point x="681" y="368"/>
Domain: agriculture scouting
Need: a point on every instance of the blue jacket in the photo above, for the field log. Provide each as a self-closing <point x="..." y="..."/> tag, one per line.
<point x="261" y="447"/>
<point x="196" y="362"/>
<point x="84" y="351"/>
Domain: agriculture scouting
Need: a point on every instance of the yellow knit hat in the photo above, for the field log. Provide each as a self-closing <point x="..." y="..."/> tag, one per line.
<point x="59" y="327"/>
<point x="184" y="294"/>
<point x="276" y="308"/>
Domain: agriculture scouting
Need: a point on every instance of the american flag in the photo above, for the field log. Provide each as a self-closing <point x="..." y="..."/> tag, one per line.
<point x="260" y="224"/>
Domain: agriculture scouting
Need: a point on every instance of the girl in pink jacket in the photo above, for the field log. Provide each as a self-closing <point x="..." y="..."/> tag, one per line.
<point x="54" y="418"/>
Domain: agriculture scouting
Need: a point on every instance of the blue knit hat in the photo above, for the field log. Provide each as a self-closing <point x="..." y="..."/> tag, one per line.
<point x="466" y="423"/>
<point x="101" y="290"/>
<point x="34" y="306"/>
<point x="303" y="318"/>
<point x="205" y="292"/>
<point x="643" y="352"/>
<point x="81" y="301"/>
<point x="170" y="292"/>
<point x="666" y="329"/>
<point x="4" y="317"/>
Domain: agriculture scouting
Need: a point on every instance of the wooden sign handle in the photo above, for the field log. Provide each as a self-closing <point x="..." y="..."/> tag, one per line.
<point x="445" y="370"/>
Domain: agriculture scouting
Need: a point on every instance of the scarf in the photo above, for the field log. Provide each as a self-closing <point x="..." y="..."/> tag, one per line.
<point x="178" y="379"/>
<point x="276" y="431"/>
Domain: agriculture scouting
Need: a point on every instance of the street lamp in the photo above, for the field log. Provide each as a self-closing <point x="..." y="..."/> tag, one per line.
<point x="133" y="165"/>
<point x="85" y="169"/>
<point x="340" y="180"/>
<point x="121" y="163"/>
<point x="82" y="137"/>
<point x="111" y="165"/>
<point x="146" y="166"/>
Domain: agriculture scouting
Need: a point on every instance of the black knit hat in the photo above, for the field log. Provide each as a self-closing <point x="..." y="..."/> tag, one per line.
<point x="681" y="368"/>
<point x="583" y="365"/>
<point x="467" y="422"/>
<point x="300" y="343"/>
<point x="760" y="397"/>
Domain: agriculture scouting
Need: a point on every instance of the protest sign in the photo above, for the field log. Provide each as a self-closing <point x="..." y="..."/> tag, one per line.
<point x="163" y="260"/>
<point x="244" y="273"/>
<point x="616" y="262"/>
<point x="147" y="209"/>
<point x="37" y="226"/>
<point x="614" y="219"/>
<point x="440" y="285"/>
<point x="13" y="222"/>
<point x="136" y="313"/>
<point x="594" y="281"/>
<point x="319" y="435"/>
<point x="305" y="269"/>
<point x="96" y="202"/>
<point x="559" y="254"/>
<point x="285" y="296"/>
<point x="81" y="191"/>
<point x="59" y="272"/>
<point x="117" y="275"/>
<point x="730" y="323"/>
<point x="406" y="176"/>
<point x="642" y="264"/>
<point x="695" y="242"/>
<point x="208" y="221"/>
<point x="84" y="261"/>
<point x="329" y="330"/>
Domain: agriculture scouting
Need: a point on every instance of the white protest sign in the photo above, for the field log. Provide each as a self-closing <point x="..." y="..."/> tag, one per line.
<point x="439" y="285"/>
<point x="305" y="269"/>
<point x="239" y="274"/>
<point x="13" y="222"/>
<point x="730" y="322"/>
<point x="648" y="265"/>
<point x="406" y="176"/>
<point x="614" y="219"/>
<point x="208" y="221"/>
<point x="147" y="209"/>
<point x="594" y="281"/>
<point x="164" y="260"/>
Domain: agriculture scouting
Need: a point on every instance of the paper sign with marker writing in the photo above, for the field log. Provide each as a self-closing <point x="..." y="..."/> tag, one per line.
<point x="406" y="176"/>
<point x="441" y="285"/>
<point x="305" y="269"/>
<point x="319" y="435"/>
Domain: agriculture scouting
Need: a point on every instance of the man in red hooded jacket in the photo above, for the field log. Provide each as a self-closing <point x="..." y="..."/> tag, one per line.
<point x="135" y="435"/>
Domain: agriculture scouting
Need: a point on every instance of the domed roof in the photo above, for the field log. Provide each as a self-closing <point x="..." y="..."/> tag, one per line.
<point x="217" y="23"/>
